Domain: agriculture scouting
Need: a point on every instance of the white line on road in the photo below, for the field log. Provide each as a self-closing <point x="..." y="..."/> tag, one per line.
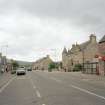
<point x="86" y="91"/>
<point x="21" y="78"/>
<point x="56" y="80"/>
<point x="33" y="84"/>
<point x="1" y="89"/>
<point x="34" y="87"/>
<point x="38" y="94"/>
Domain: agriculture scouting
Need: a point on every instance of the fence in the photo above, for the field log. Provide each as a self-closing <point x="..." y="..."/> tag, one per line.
<point x="91" y="68"/>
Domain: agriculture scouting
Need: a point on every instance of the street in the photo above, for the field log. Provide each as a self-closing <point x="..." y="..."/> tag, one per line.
<point x="55" y="88"/>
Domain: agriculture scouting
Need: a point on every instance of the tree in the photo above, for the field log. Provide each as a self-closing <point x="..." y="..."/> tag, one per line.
<point x="51" y="66"/>
<point x="77" y="67"/>
<point x="15" y="64"/>
<point x="54" y="65"/>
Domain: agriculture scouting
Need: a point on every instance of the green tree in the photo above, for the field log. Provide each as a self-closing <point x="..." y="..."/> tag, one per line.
<point x="15" y="64"/>
<point x="77" y="67"/>
<point x="51" y="66"/>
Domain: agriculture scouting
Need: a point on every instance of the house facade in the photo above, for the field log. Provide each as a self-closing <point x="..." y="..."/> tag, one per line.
<point x="42" y="64"/>
<point x="101" y="46"/>
<point x="3" y="63"/>
<point x="80" y="53"/>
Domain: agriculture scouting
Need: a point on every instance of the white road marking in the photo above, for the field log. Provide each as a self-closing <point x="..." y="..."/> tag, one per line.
<point x="56" y="80"/>
<point x="38" y="94"/>
<point x="34" y="87"/>
<point x="1" y="89"/>
<point x="43" y="104"/>
<point x="33" y="84"/>
<point x="21" y="78"/>
<point x="86" y="91"/>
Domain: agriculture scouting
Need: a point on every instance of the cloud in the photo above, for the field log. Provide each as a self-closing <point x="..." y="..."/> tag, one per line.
<point x="30" y="27"/>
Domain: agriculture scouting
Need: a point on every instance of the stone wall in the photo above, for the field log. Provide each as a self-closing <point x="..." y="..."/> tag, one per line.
<point x="90" y="52"/>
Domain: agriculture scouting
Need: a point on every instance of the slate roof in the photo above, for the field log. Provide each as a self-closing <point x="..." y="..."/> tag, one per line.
<point x="80" y="46"/>
<point x="102" y="40"/>
<point x="84" y="45"/>
<point x="65" y="50"/>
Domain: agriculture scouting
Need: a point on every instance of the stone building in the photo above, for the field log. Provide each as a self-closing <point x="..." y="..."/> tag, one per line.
<point x="42" y="64"/>
<point x="9" y="65"/>
<point x="102" y="56"/>
<point x="80" y="53"/>
<point x="3" y="62"/>
<point x="0" y="62"/>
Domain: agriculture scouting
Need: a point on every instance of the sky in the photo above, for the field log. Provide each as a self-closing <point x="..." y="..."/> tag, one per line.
<point x="31" y="29"/>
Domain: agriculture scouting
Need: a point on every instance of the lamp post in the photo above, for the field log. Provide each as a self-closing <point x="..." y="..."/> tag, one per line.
<point x="6" y="47"/>
<point x="3" y="60"/>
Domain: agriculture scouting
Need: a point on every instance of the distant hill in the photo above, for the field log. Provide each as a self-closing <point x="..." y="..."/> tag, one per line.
<point x="24" y="63"/>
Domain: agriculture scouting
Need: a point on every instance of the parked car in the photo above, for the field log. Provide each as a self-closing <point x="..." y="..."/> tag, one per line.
<point x="29" y="69"/>
<point x="21" y="71"/>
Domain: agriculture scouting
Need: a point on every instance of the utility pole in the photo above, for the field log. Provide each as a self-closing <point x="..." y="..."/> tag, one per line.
<point x="6" y="47"/>
<point x="4" y="62"/>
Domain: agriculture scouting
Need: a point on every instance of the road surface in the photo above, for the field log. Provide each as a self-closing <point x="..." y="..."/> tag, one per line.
<point x="43" y="88"/>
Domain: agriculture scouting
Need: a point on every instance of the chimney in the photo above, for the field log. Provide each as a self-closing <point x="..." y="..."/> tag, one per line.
<point x="73" y="45"/>
<point x="48" y="56"/>
<point x="92" y="38"/>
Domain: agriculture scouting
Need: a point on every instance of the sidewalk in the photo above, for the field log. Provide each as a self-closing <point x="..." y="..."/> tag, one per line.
<point x="88" y="77"/>
<point x="85" y="77"/>
<point x="4" y="78"/>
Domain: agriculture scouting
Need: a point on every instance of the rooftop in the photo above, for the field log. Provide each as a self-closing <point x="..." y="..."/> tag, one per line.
<point x="102" y="40"/>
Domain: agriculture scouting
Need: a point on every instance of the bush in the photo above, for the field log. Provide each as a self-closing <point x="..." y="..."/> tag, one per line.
<point x="49" y="70"/>
<point x="77" y="67"/>
<point x="51" y="66"/>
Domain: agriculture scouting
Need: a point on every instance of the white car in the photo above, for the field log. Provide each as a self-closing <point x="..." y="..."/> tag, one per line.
<point x="20" y="71"/>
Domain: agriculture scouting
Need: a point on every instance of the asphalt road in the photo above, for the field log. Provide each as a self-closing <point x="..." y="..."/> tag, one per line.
<point x="43" y="88"/>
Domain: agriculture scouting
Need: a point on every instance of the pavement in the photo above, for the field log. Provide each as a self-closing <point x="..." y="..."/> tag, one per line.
<point x="53" y="88"/>
<point x="4" y="78"/>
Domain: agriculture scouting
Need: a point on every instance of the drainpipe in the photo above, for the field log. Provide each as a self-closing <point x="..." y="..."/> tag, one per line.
<point x="83" y="59"/>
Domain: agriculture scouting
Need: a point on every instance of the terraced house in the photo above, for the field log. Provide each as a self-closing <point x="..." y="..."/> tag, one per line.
<point x="80" y="53"/>
<point x="42" y="64"/>
<point x="102" y="56"/>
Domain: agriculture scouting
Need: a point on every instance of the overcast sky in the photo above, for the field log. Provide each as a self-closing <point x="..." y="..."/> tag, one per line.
<point x="34" y="28"/>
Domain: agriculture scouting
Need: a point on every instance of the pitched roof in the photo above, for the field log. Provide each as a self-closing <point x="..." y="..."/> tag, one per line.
<point x="84" y="45"/>
<point x="70" y="52"/>
<point x="102" y="40"/>
<point x="80" y="46"/>
<point x="65" y="50"/>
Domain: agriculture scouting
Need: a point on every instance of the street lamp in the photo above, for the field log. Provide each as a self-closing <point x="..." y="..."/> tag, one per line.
<point x="3" y="60"/>
<point x="6" y="47"/>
